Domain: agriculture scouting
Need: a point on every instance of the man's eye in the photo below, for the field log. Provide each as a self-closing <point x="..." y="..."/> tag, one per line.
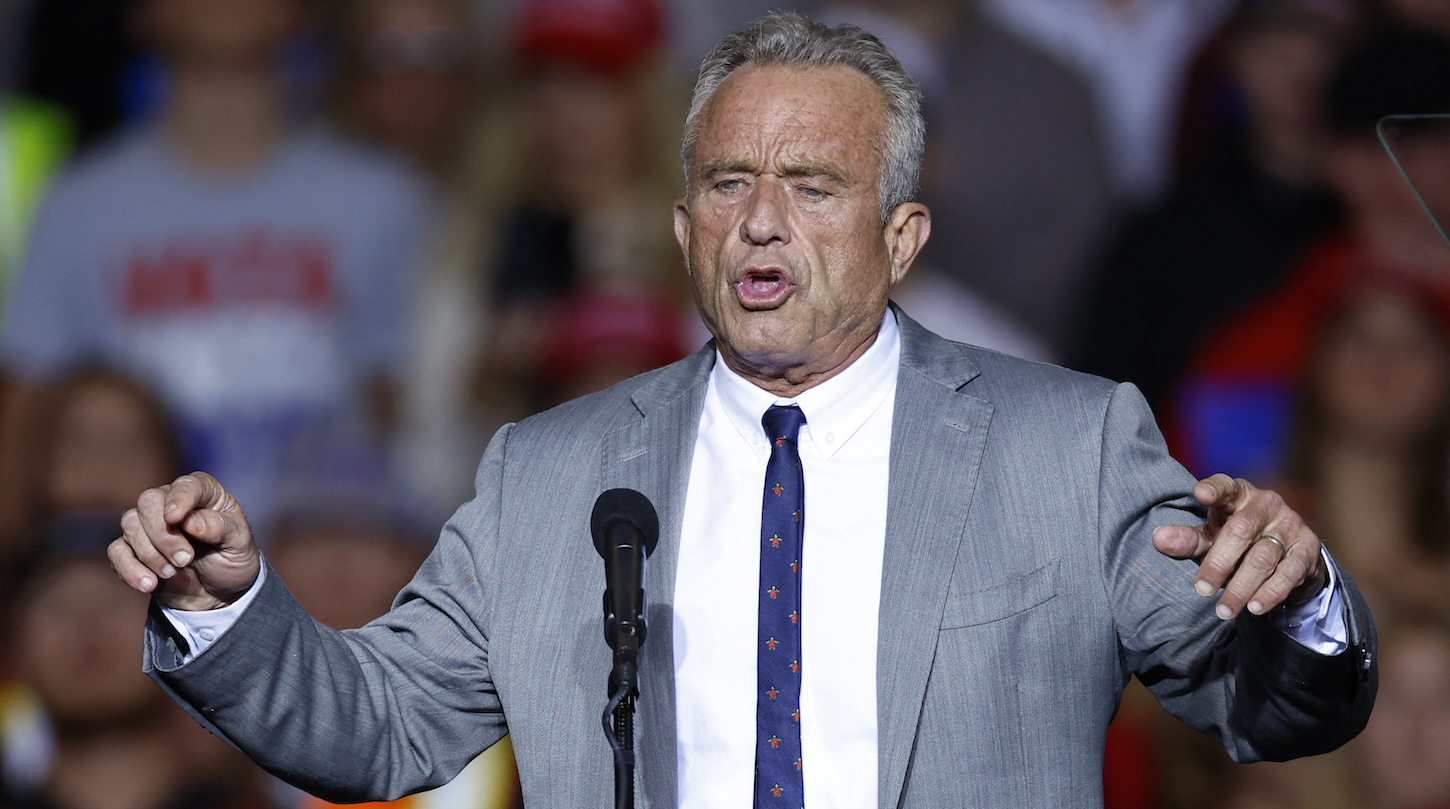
<point x="812" y="193"/>
<point x="729" y="185"/>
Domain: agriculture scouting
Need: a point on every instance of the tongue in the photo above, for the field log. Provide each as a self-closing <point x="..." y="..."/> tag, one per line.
<point x="762" y="284"/>
<point x="762" y="289"/>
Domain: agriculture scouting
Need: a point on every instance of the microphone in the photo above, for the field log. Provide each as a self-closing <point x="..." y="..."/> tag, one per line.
<point x="626" y="530"/>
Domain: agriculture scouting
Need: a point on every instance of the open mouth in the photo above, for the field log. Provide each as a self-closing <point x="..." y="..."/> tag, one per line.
<point x="763" y="289"/>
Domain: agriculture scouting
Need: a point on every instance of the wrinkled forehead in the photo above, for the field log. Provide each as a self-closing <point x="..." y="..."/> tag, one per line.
<point x="832" y="115"/>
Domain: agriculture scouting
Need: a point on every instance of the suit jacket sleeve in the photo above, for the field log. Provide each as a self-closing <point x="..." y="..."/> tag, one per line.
<point x="371" y="714"/>
<point x="1242" y="682"/>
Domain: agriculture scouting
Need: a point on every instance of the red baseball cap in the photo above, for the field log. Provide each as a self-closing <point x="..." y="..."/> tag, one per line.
<point x="607" y="36"/>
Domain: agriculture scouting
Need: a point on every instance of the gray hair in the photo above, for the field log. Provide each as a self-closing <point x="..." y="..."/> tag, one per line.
<point x="791" y="40"/>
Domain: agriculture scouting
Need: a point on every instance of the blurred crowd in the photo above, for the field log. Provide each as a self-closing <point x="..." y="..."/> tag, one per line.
<point x="324" y="248"/>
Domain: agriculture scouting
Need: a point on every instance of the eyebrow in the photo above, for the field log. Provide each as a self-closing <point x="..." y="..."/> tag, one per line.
<point x="789" y="168"/>
<point x="814" y="169"/>
<point x="715" y="168"/>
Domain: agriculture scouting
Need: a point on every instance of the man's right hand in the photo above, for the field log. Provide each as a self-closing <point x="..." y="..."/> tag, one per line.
<point x="189" y="543"/>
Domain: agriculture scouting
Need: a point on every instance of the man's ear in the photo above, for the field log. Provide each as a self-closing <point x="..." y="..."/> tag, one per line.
<point x="682" y="229"/>
<point x="907" y="230"/>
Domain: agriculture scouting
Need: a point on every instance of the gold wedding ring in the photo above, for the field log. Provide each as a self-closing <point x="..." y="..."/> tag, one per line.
<point x="1283" y="549"/>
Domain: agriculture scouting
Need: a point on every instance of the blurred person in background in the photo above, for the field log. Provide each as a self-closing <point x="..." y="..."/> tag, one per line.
<point x="596" y="150"/>
<point x="95" y="436"/>
<point x="1359" y="326"/>
<point x="1257" y="199"/>
<point x="1077" y="164"/>
<point x="592" y="341"/>
<point x="284" y="255"/>
<point x="595" y="155"/>
<point x="1370" y="465"/>
<point x="408" y="77"/>
<point x="1015" y="175"/>
<point x="1136" y="55"/>
<point x="104" y="737"/>
<point x="1370" y="457"/>
<point x="345" y="565"/>
<point x="1232" y="407"/>
<point x="345" y="570"/>
<point x="1243" y="217"/>
<point x="1404" y="752"/>
<point x="413" y="77"/>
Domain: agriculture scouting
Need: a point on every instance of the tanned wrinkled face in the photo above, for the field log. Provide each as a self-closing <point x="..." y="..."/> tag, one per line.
<point x="781" y="227"/>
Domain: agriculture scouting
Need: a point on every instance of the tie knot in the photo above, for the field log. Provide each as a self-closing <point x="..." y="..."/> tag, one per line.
<point x="782" y="422"/>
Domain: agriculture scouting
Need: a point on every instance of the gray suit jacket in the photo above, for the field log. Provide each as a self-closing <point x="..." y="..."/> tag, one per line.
<point x="1020" y="591"/>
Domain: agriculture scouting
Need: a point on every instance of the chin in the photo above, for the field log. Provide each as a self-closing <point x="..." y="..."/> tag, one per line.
<point x="765" y="330"/>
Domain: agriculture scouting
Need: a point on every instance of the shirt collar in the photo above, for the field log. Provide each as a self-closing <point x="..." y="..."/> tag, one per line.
<point x="834" y="409"/>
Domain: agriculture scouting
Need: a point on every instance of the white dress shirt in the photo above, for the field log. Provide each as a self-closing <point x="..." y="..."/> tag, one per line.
<point x="845" y="449"/>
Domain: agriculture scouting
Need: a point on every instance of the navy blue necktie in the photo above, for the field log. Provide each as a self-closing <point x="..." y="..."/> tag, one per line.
<point x="778" y="667"/>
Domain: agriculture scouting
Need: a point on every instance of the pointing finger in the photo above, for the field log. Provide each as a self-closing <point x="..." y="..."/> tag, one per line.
<point x="1245" y="514"/>
<point x="1217" y="490"/>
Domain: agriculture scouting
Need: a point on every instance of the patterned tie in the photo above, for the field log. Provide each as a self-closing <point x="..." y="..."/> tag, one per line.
<point x="778" y="667"/>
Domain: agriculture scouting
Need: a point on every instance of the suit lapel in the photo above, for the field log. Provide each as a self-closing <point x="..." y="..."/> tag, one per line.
<point x="937" y="437"/>
<point x="938" y="433"/>
<point x="652" y="455"/>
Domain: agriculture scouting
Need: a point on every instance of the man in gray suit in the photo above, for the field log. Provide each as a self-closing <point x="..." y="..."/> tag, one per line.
<point x="992" y="547"/>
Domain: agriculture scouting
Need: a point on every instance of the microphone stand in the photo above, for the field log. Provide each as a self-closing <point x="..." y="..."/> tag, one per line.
<point x="619" y="723"/>
<point x="626" y="529"/>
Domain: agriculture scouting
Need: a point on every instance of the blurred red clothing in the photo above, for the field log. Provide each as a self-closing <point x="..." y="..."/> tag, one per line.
<point x="1232" y="409"/>
<point x="1130" y="768"/>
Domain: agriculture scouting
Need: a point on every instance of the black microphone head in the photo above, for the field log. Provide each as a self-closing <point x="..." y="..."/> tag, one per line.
<point x="624" y="506"/>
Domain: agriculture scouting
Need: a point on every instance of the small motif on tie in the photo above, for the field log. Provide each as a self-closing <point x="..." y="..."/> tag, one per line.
<point x="778" y="676"/>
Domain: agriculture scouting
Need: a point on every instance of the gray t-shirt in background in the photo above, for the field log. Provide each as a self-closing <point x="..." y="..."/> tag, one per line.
<point x="255" y="305"/>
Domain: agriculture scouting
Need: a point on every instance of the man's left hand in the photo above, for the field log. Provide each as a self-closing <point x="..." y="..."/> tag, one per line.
<point x="1237" y="551"/>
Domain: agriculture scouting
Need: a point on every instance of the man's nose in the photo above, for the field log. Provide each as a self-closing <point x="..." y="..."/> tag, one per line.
<point x="766" y="218"/>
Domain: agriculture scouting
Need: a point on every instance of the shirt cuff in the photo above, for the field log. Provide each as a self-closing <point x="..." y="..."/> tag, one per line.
<point x="1318" y="623"/>
<point x="201" y="628"/>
